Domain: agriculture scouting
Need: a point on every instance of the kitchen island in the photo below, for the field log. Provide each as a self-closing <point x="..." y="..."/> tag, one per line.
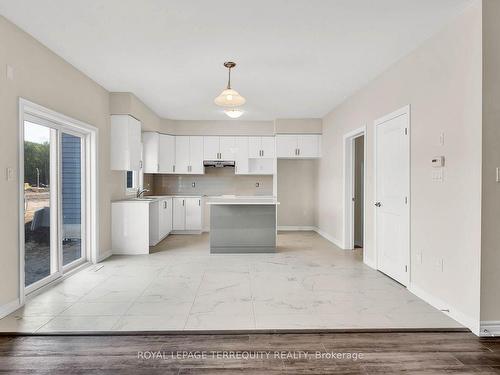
<point x="243" y="224"/>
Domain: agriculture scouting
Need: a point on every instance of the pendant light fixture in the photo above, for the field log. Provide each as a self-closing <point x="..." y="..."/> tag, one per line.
<point x="233" y="112"/>
<point x="229" y="98"/>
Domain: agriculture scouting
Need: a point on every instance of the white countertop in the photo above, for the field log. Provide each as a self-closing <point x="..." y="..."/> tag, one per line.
<point x="253" y="200"/>
<point x="152" y="198"/>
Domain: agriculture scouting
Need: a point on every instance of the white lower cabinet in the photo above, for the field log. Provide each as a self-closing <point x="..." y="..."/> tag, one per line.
<point x="160" y="220"/>
<point x="187" y="214"/>
<point x="179" y="213"/>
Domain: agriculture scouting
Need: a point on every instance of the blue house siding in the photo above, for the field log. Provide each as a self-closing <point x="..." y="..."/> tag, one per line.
<point x="71" y="179"/>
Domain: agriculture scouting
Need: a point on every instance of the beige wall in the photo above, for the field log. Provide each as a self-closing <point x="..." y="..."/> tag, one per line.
<point x="225" y="127"/>
<point x="441" y="80"/>
<point x="126" y="103"/>
<point x="298" y="126"/>
<point x="44" y="78"/>
<point x="297" y="192"/>
<point x="490" y="247"/>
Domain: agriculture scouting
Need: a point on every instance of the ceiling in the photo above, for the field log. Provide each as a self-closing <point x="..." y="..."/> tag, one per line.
<point x="296" y="58"/>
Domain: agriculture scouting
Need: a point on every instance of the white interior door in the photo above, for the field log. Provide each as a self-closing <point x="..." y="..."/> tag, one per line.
<point x="392" y="195"/>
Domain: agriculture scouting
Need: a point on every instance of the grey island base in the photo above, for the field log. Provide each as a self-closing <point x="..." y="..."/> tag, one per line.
<point x="243" y="225"/>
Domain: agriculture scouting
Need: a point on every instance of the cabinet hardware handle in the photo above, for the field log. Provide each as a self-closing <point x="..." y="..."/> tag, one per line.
<point x="199" y="202"/>
<point x="298" y="151"/>
<point x="173" y="168"/>
<point x="378" y="204"/>
<point x="262" y="152"/>
<point x="183" y="202"/>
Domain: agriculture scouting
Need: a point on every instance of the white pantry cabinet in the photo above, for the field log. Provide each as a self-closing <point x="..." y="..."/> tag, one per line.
<point x="189" y="155"/>
<point x="125" y="144"/>
<point x="187" y="214"/>
<point x="298" y="146"/>
<point x="261" y="147"/>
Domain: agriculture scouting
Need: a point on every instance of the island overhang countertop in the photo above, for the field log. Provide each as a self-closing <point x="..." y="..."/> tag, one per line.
<point x="243" y="201"/>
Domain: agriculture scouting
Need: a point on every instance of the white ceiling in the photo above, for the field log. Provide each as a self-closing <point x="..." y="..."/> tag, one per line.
<point x="296" y="58"/>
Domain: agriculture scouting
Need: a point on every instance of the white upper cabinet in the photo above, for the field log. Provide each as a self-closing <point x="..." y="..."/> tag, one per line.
<point x="150" y="151"/>
<point x="261" y="147"/>
<point x="166" y="158"/>
<point x="182" y="154"/>
<point x="196" y="155"/>
<point x="218" y="148"/>
<point x="125" y="143"/>
<point x="241" y="155"/>
<point x="298" y="146"/>
<point x="158" y="152"/>
<point x="286" y="146"/>
<point x="227" y="148"/>
<point x="189" y="155"/>
<point x="309" y="146"/>
<point x="211" y="148"/>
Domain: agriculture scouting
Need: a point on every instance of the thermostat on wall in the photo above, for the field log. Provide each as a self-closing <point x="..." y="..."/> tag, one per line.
<point x="437" y="161"/>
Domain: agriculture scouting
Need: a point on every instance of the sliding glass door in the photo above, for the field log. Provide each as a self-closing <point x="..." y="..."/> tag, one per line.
<point x="54" y="201"/>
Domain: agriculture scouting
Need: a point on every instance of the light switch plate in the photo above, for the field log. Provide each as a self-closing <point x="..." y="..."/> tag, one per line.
<point x="9" y="173"/>
<point x="9" y="72"/>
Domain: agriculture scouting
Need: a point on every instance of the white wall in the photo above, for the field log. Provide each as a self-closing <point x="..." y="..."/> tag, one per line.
<point x="44" y="78"/>
<point x="441" y="80"/>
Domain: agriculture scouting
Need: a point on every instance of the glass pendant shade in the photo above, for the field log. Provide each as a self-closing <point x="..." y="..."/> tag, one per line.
<point x="229" y="98"/>
<point x="233" y="112"/>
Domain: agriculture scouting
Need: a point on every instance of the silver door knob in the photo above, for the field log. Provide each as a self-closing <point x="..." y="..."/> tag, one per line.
<point x="378" y="204"/>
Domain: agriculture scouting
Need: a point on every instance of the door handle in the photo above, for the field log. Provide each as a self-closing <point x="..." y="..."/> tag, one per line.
<point x="378" y="204"/>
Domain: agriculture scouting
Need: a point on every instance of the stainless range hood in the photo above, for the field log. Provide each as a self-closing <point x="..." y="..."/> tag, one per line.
<point x="218" y="163"/>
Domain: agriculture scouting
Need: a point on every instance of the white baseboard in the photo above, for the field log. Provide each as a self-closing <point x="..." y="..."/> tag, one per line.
<point x="439" y="304"/>
<point x="295" y="228"/>
<point x="370" y="263"/>
<point x="103" y="256"/>
<point x="9" y="308"/>
<point x="329" y="238"/>
<point x="490" y="328"/>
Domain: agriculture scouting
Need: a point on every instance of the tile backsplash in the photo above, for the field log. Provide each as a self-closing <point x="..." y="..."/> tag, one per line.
<point x="215" y="181"/>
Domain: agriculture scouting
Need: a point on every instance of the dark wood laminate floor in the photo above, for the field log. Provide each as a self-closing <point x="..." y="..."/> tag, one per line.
<point x="382" y="353"/>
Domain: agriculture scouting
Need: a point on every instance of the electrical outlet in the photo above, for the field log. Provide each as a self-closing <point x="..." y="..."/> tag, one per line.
<point x="193" y="184"/>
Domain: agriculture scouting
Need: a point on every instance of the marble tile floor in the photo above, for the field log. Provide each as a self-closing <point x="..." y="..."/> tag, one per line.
<point x="308" y="284"/>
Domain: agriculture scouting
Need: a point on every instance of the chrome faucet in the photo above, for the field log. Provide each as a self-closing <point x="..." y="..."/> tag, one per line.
<point x="140" y="192"/>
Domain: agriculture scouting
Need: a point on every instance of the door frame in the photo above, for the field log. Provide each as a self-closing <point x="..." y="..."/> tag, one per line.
<point x="90" y="221"/>
<point x="406" y="110"/>
<point x="349" y="186"/>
